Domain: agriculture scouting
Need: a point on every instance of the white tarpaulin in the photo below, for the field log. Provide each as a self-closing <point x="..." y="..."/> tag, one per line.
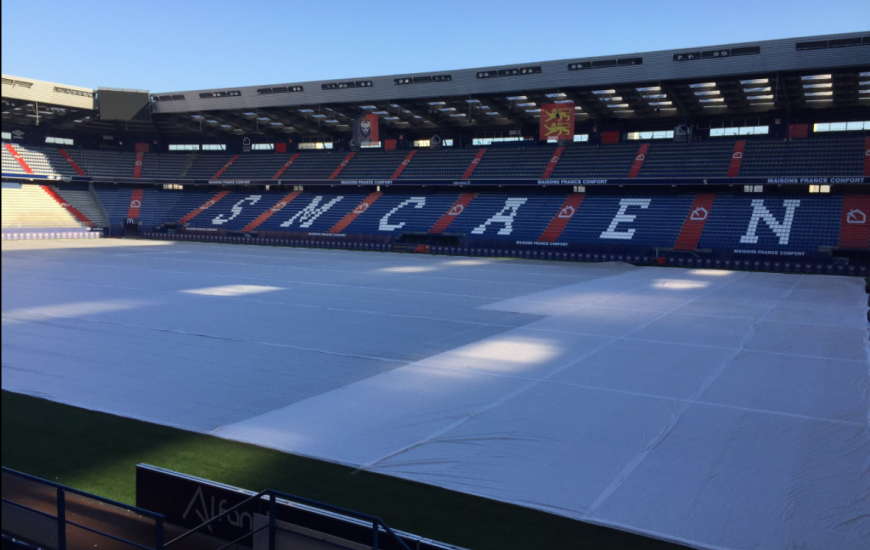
<point x="718" y="409"/>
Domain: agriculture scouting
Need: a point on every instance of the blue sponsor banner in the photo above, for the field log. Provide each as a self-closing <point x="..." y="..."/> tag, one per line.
<point x="552" y="182"/>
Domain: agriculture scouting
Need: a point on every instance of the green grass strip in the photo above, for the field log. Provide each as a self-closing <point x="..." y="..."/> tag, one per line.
<point x="97" y="452"/>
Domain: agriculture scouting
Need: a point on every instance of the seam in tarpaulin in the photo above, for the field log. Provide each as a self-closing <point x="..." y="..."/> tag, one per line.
<point x="459" y="422"/>
<point x="668" y="428"/>
<point x="223" y="338"/>
<point x="450" y="427"/>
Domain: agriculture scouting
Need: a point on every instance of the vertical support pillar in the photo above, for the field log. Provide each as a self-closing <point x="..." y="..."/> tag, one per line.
<point x="272" y="512"/>
<point x="61" y="519"/>
<point x="158" y="534"/>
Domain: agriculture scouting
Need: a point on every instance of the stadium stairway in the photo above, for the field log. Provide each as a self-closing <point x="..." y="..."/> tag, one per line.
<point x="83" y="201"/>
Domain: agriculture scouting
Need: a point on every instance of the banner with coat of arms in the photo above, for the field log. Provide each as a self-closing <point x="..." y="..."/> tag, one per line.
<point x="557" y="121"/>
<point x="365" y="130"/>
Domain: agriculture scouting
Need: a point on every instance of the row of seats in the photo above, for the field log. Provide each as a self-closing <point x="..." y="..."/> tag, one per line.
<point x="819" y="156"/>
<point x="29" y="206"/>
<point x="761" y="222"/>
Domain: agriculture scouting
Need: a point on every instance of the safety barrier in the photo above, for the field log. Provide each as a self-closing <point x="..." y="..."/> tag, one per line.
<point x="51" y="515"/>
<point x="15" y="234"/>
<point x="668" y="258"/>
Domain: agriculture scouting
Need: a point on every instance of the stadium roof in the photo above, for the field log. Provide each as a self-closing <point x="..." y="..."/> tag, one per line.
<point x="746" y="78"/>
<point x="28" y="101"/>
<point x="732" y="80"/>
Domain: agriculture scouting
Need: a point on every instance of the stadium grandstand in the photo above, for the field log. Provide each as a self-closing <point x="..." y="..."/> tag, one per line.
<point x="748" y="164"/>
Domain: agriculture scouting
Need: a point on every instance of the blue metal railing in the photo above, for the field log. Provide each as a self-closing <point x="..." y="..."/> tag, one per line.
<point x="60" y="516"/>
<point x="378" y="527"/>
<point x="376" y="523"/>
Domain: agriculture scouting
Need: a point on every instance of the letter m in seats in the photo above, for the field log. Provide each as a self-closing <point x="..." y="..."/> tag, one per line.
<point x="310" y="213"/>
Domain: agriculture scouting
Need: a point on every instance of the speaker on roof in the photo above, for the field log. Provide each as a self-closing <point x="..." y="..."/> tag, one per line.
<point x="435" y="142"/>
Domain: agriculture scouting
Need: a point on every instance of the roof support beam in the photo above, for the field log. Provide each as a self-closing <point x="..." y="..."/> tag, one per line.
<point x="587" y="107"/>
<point x="674" y="95"/>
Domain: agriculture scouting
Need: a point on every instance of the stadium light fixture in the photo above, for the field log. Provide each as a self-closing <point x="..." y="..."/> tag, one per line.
<point x="553" y="96"/>
<point x="617" y="105"/>
<point x="517" y="98"/>
<point x="712" y="100"/>
<point x="816" y="77"/>
<point x="306" y="110"/>
<point x="436" y="103"/>
<point x="755" y="81"/>
<point x="708" y="92"/>
<point x="752" y="97"/>
<point x="603" y="92"/>
<point x="655" y="96"/>
<point x="650" y="89"/>
<point x="822" y="85"/>
<point x="756" y="90"/>
<point x="812" y="94"/>
<point x="703" y="85"/>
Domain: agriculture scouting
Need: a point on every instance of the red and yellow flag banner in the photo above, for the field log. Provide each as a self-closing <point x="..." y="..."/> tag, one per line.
<point x="557" y="121"/>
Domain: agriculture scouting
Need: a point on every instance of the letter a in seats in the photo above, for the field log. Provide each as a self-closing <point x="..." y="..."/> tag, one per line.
<point x="505" y="217"/>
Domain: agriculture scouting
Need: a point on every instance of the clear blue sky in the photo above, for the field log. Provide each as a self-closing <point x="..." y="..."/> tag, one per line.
<point x="161" y="45"/>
